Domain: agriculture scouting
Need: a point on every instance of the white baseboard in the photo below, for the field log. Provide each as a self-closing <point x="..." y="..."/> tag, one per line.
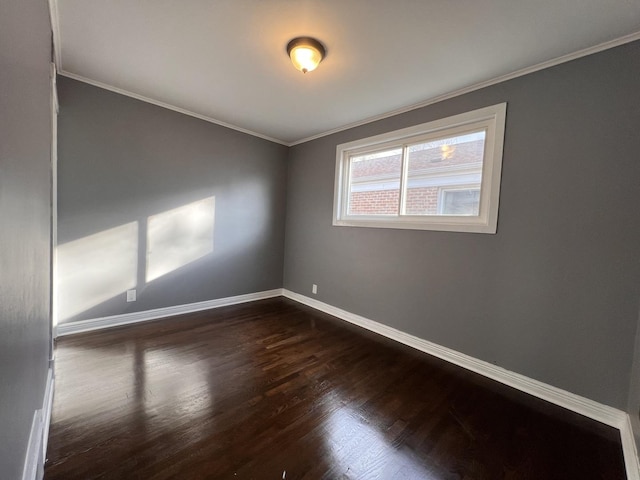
<point x="135" y="317"/>
<point x="47" y="408"/>
<point x="576" y="403"/>
<point x="630" y="450"/>
<point x="33" y="458"/>
<point x="37" y="445"/>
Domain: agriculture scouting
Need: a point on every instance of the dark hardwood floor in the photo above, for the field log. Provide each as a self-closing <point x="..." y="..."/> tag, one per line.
<point x="273" y="390"/>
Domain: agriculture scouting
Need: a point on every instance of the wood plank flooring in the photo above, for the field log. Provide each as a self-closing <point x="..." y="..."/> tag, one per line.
<point x="274" y="389"/>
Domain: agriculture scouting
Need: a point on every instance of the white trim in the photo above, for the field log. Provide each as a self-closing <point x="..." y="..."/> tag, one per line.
<point x="135" y="317"/>
<point x="36" y="453"/>
<point x="47" y="409"/>
<point x="33" y="456"/>
<point x="55" y="104"/>
<point x="629" y="449"/>
<point x="490" y="119"/>
<point x="603" y="413"/>
<point x="55" y="29"/>
<point x="168" y="106"/>
<point x="55" y="109"/>
<point x="430" y="101"/>
<point x="477" y="86"/>
<point x="576" y="403"/>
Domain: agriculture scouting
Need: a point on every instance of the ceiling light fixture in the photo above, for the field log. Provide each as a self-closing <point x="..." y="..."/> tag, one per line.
<point x="305" y="53"/>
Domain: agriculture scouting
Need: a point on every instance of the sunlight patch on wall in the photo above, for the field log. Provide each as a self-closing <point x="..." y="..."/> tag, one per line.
<point x="96" y="268"/>
<point x="179" y="236"/>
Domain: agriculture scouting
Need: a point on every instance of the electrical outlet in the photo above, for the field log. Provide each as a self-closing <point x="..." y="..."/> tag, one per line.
<point x="314" y="289"/>
<point x="131" y="295"/>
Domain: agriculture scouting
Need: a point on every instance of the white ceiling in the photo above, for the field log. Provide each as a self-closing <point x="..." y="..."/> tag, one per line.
<point x="225" y="60"/>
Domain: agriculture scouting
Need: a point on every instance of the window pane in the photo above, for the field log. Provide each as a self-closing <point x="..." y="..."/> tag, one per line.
<point x="446" y="162"/>
<point x="460" y="202"/>
<point x="374" y="187"/>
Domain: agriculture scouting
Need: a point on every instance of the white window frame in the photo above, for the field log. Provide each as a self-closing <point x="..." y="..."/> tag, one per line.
<point x="491" y="119"/>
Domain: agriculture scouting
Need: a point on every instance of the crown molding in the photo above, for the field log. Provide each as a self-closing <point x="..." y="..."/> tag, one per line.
<point x="430" y="101"/>
<point x="477" y="86"/>
<point x="168" y="106"/>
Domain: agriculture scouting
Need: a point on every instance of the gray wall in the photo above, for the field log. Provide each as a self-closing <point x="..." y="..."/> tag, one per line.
<point x="121" y="161"/>
<point x="554" y="294"/>
<point x="634" y="389"/>
<point x="25" y="189"/>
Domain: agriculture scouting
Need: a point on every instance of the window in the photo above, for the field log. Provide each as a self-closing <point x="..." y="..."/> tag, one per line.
<point x="441" y="175"/>
<point x="459" y="201"/>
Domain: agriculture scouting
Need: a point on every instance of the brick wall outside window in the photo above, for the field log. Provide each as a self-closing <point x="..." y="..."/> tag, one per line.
<point x="420" y="200"/>
<point x="381" y="202"/>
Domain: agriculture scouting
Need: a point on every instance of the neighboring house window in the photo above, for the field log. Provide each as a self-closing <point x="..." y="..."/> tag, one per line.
<point x="459" y="201"/>
<point x="441" y="175"/>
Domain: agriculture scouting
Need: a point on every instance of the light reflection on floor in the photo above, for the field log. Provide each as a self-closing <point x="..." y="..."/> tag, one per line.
<point x="362" y="451"/>
<point x="183" y="374"/>
<point x="150" y="381"/>
<point x="100" y="398"/>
